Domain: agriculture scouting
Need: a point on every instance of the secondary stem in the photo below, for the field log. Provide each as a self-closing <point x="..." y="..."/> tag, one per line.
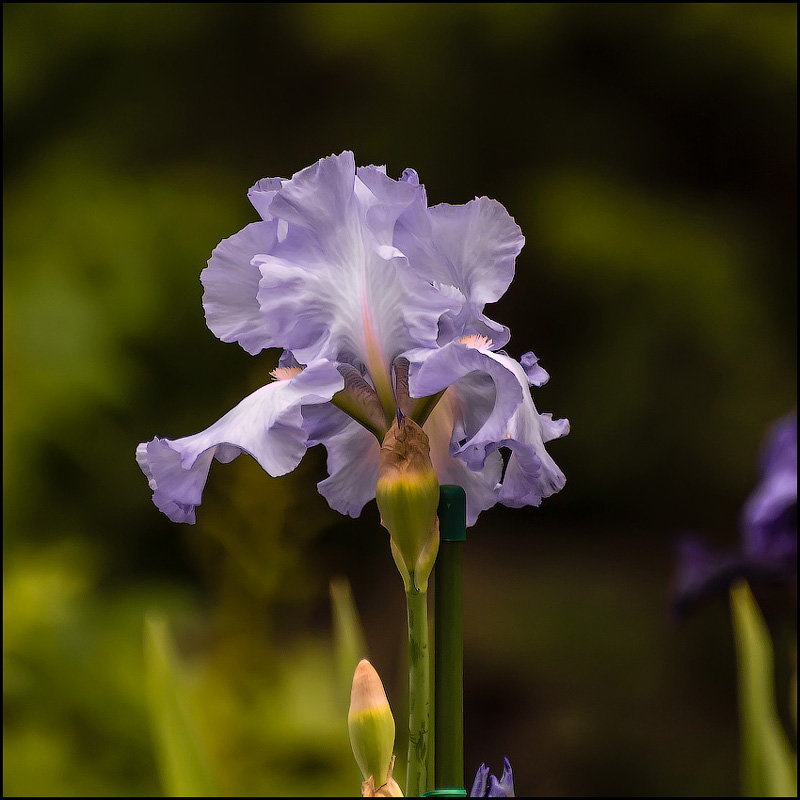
<point x="419" y="693"/>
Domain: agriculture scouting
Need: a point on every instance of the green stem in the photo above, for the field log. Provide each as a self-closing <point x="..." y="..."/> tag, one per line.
<point x="419" y="693"/>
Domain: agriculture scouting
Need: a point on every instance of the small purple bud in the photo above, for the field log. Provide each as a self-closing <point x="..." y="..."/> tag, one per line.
<point x="487" y="785"/>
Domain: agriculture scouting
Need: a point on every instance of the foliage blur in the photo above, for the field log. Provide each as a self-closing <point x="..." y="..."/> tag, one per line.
<point x="769" y="767"/>
<point x="648" y="153"/>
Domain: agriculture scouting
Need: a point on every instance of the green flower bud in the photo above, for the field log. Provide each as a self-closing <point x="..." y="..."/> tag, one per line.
<point x="371" y="725"/>
<point x="408" y="496"/>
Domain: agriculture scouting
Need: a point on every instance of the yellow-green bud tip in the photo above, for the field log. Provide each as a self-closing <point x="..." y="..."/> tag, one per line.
<point x="371" y="724"/>
<point x="367" y="691"/>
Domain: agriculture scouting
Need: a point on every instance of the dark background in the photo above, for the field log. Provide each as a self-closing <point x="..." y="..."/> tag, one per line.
<point x="647" y="152"/>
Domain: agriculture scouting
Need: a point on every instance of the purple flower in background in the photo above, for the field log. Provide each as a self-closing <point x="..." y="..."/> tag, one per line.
<point x="769" y="529"/>
<point x="376" y="301"/>
<point x="486" y="785"/>
<point x="769" y="517"/>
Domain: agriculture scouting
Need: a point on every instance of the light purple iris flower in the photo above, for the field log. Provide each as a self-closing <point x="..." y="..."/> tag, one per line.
<point x="486" y="785"/>
<point x="377" y="302"/>
<point x="769" y="529"/>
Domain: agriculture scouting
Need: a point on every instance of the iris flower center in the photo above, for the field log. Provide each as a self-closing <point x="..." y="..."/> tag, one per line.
<point x="476" y="341"/>
<point x="285" y="373"/>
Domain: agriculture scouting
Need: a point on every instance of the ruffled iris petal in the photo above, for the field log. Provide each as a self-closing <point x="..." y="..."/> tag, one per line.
<point x="267" y="424"/>
<point x="260" y="194"/>
<point x="479" y="485"/>
<point x="537" y="376"/>
<point x="525" y="435"/>
<point x="353" y="454"/>
<point x="349" y="268"/>
<point x="496" y="411"/>
<point x="353" y="469"/>
<point x="471" y="247"/>
<point x="176" y="491"/>
<point x="231" y="284"/>
<point x="488" y="390"/>
<point x="322" y="421"/>
<point x="336" y="286"/>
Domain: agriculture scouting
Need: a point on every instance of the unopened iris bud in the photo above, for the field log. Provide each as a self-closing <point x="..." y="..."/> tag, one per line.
<point x="371" y="727"/>
<point x="389" y="789"/>
<point x="407" y="493"/>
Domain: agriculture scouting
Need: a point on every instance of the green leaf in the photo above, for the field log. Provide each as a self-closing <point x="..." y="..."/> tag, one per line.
<point x="348" y="636"/>
<point x="769" y="768"/>
<point x="349" y="645"/>
<point x="183" y="764"/>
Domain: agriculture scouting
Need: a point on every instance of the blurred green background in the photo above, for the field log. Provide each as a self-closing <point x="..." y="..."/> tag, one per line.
<point x="648" y="153"/>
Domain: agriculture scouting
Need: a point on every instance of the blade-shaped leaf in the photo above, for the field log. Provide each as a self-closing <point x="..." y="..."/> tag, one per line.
<point x="769" y="768"/>
<point x="348" y="636"/>
<point x="349" y="645"/>
<point x="183" y="764"/>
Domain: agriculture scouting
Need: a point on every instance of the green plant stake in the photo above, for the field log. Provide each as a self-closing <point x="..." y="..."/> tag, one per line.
<point x="449" y="645"/>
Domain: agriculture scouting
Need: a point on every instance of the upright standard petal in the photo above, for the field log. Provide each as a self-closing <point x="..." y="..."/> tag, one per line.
<point x="470" y="247"/>
<point x="231" y="287"/>
<point x="260" y="194"/>
<point x="267" y="424"/>
<point x="336" y="286"/>
<point x="231" y="280"/>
